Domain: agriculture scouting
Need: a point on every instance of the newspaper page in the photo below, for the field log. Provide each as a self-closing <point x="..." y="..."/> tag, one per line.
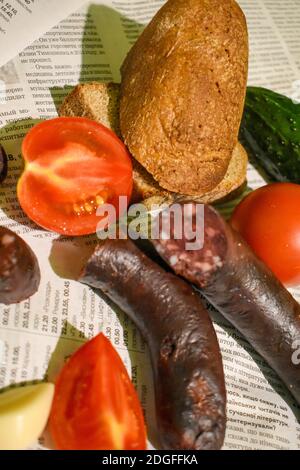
<point x="23" y="21"/>
<point x="38" y="335"/>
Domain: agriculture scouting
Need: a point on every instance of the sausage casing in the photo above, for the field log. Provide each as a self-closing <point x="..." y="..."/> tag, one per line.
<point x="244" y="290"/>
<point x="188" y="374"/>
<point x="19" y="268"/>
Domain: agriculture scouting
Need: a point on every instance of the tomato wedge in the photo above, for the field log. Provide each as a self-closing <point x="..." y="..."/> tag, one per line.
<point x="72" y="166"/>
<point x="95" y="405"/>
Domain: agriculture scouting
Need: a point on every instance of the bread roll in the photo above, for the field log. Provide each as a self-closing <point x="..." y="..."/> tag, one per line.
<point x="182" y="93"/>
<point x="100" y="102"/>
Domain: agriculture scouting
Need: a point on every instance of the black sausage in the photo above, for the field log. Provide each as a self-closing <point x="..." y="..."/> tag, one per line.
<point x="243" y="289"/>
<point x="3" y="164"/>
<point x="19" y="268"/>
<point x="187" y="365"/>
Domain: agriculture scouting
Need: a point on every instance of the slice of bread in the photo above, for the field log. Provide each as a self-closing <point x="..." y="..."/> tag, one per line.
<point x="100" y="102"/>
<point x="96" y="101"/>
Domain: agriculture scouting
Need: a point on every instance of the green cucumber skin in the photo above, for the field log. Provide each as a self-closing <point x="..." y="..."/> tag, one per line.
<point x="270" y="131"/>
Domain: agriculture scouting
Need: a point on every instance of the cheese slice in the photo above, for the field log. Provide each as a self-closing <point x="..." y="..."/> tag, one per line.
<point x="24" y="413"/>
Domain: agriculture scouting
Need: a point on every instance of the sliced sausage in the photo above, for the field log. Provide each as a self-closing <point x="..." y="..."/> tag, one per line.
<point x="3" y="164"/>
<point x="188" y="374"/>
<point x="242" y="288"/>
<point x="19" y="268"/>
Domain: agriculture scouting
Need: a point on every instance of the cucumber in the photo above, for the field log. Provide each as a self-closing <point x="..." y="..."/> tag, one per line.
<point x="270" y="131"/>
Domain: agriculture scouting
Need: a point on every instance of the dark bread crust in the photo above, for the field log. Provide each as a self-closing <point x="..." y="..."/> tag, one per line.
<point x="183" y="91"/>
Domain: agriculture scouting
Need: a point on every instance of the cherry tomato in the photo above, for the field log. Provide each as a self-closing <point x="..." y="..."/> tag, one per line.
<point x="269" y="220"/>
<point x="95" y="405"/>
<point x="72" y="166"/>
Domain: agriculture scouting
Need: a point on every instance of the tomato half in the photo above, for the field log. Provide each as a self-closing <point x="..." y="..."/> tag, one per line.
<point x="95" y="405"/>
<point x="72" y="166"/>
<point x="269" y="220"/>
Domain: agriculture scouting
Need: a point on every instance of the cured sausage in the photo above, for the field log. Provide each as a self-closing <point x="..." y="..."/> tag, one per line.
<point x="188" y="374"/>
<point x="3" y="164"/>
<point x="19" y="269"/>
<point x="243" y="289"/>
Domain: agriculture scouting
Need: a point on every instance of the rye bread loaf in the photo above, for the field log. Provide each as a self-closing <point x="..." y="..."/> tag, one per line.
<point x="182" y="93"/>
<point x="100" y="102"/>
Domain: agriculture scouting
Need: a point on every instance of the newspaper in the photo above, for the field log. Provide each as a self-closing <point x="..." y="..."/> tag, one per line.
<point x="80" y="45"/>
<point x="23" y="21"/>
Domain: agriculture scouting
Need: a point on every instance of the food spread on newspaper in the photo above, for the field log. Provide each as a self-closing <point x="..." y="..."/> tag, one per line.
<point x="61" y="318"/>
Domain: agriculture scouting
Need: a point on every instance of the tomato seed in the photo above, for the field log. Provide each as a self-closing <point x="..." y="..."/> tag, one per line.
<point x="88" y="206"/>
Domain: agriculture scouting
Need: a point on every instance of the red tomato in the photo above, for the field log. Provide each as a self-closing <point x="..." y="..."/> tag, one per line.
<point x="95" y="405"/>
<point x="72" y="166"/>
<point x="269" y="220"/>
